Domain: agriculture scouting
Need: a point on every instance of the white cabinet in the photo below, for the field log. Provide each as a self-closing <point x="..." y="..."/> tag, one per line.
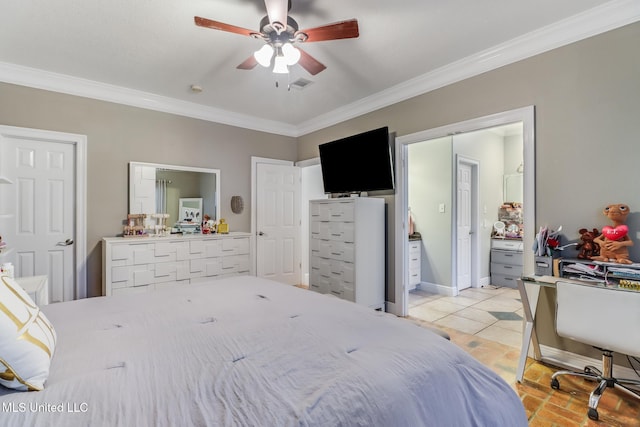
<point x="415" y="263"/>
<point x="131" y="265"/>
<point x="506" y="262"/>
<point x="347" y="256"/>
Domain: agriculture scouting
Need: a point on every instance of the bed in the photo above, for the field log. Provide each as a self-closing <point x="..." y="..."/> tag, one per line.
<point x="246" y="351"/>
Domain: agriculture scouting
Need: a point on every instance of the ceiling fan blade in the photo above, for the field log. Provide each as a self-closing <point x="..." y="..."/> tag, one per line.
<point x="309" y="63"/>
<point x="248" y="64"/>
<point x="338" y="30"/>
<point x="277" y="12"/>
<point x="215" y="25"/>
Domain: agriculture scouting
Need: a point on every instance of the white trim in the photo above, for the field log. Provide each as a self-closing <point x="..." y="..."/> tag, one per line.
<point x="80" y="144"/>
<point x="308" y="162"/>
<point x="597" y="20"/>
<point x="526" y="115"/>
<point x="40" y="79"/>
<point x="434" y="288"/>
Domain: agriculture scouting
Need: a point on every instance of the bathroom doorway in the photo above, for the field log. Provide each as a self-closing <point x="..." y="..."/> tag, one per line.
<point x="439" y="266"/>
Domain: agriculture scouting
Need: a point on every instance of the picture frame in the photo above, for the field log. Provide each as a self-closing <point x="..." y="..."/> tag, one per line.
<point x="190" y="209"/>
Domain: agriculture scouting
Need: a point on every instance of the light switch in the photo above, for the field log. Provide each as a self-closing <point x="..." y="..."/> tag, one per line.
<point x="441" y="208"/>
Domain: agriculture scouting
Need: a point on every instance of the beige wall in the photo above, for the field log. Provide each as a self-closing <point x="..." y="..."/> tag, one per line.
<point x="117" y="134"/>
<point x="587" y="101"/>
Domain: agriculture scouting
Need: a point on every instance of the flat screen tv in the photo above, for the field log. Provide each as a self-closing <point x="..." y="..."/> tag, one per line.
<point x="358" y="163"/>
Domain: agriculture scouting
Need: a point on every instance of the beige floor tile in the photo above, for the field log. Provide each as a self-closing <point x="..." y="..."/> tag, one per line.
<point x="426" y="313"/>
<point x="461" y="324"/>
<point x="512" y="325"/>
<point x="475" y="294"/>
<point x="460" y="300"/>
<point x="473" y="313"/>
<point x="501" y="335"/>
<point x="492" y="304"/>
<point x="445" y="306"/>
<point x="514" y="304"/>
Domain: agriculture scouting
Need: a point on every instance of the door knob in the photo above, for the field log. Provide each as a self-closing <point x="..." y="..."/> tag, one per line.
<point x="260" y="233"/>
<point x="67" y="242"/>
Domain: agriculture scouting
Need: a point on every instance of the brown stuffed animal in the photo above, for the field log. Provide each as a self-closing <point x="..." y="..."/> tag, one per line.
<point x="587" y="247"/>
<point x="614" y="241"/>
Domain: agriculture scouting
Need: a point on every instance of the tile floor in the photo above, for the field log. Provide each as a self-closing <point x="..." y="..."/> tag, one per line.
<point x="491" y="313"/>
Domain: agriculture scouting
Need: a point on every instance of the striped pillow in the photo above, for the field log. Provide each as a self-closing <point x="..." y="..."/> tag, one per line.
<point x="27" y="339"/>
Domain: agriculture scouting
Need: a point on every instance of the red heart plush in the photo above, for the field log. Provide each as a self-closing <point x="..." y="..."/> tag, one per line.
<point x="615" y="233"/>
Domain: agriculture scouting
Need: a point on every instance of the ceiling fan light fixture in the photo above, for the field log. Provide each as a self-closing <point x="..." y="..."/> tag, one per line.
<point x="291" y="54"/>
<point x="264" y="55"/>
<point x="280" y="65"/>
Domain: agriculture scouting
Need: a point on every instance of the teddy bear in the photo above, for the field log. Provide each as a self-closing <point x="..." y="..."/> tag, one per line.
<point x="587" y="247"/>
<point x="614" y="241"/>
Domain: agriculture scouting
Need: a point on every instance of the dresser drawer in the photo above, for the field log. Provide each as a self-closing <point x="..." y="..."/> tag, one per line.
<point x="510" y="270"/>
<point x="507" y="257"/>
<point x="504" y="280"/>
<point x="510" y="245"/>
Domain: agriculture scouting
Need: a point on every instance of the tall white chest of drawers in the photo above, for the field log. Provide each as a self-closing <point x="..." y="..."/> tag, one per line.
<point x="132" y="265"/>
<point x="347" y="255"/>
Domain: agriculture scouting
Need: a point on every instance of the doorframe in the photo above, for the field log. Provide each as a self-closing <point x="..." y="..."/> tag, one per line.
<point x="526" y="115"/>
<point x="254" y="201"/>
<point x="79" y="143"/>
<point x="475" y="223"/>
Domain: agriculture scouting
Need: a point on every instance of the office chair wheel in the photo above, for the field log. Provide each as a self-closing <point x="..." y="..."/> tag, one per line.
<point x="555" y="384"/>
<point x="593" y="414"/>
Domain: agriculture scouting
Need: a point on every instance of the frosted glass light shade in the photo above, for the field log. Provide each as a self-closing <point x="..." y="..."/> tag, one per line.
<point x="291" y="54"/>
<point x="263" y="55"/>
<point x="280" y="65"/>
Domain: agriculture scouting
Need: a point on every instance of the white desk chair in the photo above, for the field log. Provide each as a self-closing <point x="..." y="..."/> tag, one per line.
<point x="606" y="318"/>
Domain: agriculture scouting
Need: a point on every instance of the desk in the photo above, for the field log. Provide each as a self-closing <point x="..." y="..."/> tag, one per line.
<point x="529" y="333"/>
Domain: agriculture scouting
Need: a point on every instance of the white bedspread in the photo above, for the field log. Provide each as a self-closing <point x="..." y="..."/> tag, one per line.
<point x="246" y="351"/>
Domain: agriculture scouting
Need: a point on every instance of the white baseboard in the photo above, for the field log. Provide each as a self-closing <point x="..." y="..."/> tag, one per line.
<point x="484" y="281"/>
<point x="438" y="289"/>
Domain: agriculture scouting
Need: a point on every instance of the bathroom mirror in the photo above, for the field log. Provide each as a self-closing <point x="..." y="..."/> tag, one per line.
<point x="158" y="188"/>
<point x="513" y="187"/>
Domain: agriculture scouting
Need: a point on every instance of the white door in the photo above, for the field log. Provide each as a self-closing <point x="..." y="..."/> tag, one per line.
<point x="41" y="202"/>
<point x="278" y="254"/>
<point x="464" y="229"/>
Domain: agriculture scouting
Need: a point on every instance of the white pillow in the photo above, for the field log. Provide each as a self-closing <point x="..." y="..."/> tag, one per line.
<point x="27" y="339"/>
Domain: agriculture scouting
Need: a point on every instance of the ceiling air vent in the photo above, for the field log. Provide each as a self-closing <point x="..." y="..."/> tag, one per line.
<point x="301" y="83"/>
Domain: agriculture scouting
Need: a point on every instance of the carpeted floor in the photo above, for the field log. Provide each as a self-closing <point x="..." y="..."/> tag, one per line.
<point x="547" y="407"/>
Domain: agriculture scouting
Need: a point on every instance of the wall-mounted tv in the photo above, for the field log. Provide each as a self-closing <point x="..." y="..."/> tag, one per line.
<point x="358" y="163"/>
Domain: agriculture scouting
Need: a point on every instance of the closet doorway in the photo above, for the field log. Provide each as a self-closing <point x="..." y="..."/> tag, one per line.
<point x="443" y="210"/>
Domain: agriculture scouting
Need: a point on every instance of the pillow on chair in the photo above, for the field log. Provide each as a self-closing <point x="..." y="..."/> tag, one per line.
<point x="27" y="339"/>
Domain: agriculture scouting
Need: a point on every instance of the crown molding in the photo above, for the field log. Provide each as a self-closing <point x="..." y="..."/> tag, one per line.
<point x="606" y="17"/>
<point x="39" y="79"/>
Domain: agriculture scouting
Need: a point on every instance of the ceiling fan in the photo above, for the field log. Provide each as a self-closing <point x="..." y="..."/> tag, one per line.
<point x="280" y="32"/>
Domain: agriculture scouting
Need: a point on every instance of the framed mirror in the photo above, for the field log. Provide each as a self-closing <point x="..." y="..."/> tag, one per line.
<point x="159" y="188"/>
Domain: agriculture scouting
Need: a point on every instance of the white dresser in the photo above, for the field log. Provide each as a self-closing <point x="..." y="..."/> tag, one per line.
<point x="347" y="255"/>
<point x="147" y="263"/>
<point x="506" y="262"/>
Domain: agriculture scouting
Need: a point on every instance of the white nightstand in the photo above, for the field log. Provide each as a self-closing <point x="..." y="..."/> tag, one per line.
<point x="37" y="287"/>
